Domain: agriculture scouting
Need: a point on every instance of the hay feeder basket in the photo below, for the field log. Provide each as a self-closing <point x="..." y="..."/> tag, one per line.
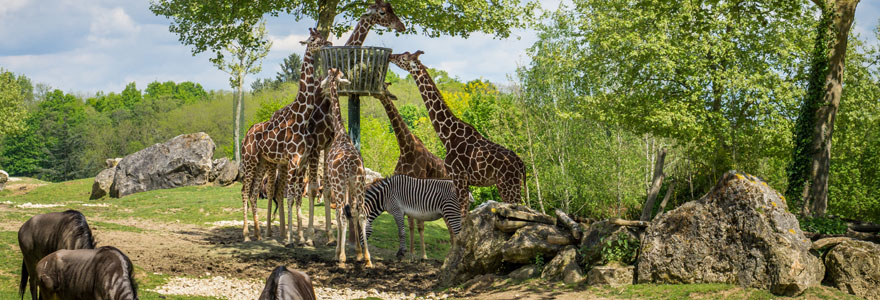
<point x="364" y="66"/>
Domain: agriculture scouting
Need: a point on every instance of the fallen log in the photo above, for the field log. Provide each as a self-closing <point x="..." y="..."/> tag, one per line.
<point x="510" y="225"/>
<point x="630" y="223"/>
<point x="525" y="216"/>
<point x="863" y="227"/>
<point x="574" y="227"/>
<point x="829" y="242"/>
<point x="867" y="237"/>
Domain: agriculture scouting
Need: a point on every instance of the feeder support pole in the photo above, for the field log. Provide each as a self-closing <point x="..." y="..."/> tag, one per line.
<point x="354" y="120"/>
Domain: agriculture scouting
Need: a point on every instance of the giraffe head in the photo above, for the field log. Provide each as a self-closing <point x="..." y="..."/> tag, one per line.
<point x="333" y="79"/>
<point x="383" y="14"/>
<point x="407" y="61"/>
<point x="315" y="41"/>
<point x="386" y="94"/>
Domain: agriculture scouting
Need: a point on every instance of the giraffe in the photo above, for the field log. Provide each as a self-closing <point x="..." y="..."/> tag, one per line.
<point x="320" y="123"/>
<point x="414" y="161"/>
<point x="344" y="176"/>
<point x="471" y="159"/>
<point x="284" y="139"/>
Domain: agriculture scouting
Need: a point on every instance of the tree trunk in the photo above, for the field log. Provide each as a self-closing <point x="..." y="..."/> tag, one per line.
<point x="534" y="167"/>
<point x="808" y="173"/>
<point x="326" y="14"/>
<point x="236" y="118"/>
<point x="669" y="191"/>
<point x="655" y="187"/>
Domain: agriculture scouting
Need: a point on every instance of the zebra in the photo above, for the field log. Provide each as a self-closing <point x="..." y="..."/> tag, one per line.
<point x="421" y="199"/>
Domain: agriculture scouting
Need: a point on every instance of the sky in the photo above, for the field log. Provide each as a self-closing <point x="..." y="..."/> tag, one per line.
<point x="86" y="46"/>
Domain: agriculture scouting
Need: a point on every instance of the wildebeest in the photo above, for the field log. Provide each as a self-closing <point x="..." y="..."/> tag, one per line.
<point x="285" y="284"/>
<point x="104" y="273"/>
<point x="47" y="233"/>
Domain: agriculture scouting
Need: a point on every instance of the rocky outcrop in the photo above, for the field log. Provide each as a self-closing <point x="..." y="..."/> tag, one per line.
<point x="565" y="267"/>
<point x="369" y="175"/>
<point x="184" y="160"/>
<point x="739" y="233"/>
<point x="531" y="241"/>
<point x="102" y="184"/>
<point x="223" y="172"/>
<point x="854" y="267"/>
<point x="4" y="177"/>
<point x="613" y="275"/>
<point x="500" y="238"/>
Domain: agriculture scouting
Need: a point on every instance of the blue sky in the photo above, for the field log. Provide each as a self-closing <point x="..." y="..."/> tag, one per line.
<point x="85" y="46"/>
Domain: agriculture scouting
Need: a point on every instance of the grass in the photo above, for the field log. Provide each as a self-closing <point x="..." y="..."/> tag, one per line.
<point x="197" y="205"/>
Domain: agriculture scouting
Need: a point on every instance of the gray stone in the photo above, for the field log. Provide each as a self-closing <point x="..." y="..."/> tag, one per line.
<point x="525" y="272"/>
<point x="613" y="275"/>
<point x="102" y="184"/>
<point x="223" y="172"/>
<point x="4" y="177"/>
<point x="370" y="175"/>
<point x="739" y="233"/>
<point x="854" y="267"/>
<point x="184" y="160"/>
<point x="564" y="266"/>
<point x="529" y="242"/>
<point x="477" y="249"/>
<point x="112" y="162"/>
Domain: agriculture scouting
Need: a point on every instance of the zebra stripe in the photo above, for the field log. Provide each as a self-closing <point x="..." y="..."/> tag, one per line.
<point x="421" y="199"/>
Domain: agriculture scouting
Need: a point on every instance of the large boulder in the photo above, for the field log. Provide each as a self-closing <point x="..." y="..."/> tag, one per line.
<point x="102" y="184"/>
<point x="223" y="172"/>
<point x="184" y="160"/>
<point x="565" y="266"/>
<point x="613" y="275"/>
<point x="854" y="267"/>
<point x="4" y="177"/>
<point x="531" y="241"/>
<point x="739" y="233"/>
<point x="525" y="272"/>
<point x="478" y="247"/>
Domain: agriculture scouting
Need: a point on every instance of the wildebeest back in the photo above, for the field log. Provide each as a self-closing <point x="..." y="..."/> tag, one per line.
<point x="285" y="284"/>
<point x="43" y="234"/>
<point x="102" y="273"/>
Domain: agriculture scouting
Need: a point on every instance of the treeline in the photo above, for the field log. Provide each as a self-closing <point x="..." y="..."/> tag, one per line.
<point x="63" y="136"/>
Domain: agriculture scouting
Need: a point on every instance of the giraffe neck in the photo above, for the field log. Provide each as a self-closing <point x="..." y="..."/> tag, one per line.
<point x="401" y="131"/>
<point x="438" y="111"/>
<point x="305" y="98"/>
<point x="335" y="112"/>
<point x="361" y="30"/>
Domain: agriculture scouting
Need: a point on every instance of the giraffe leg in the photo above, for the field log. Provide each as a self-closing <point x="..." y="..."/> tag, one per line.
<point x="422" y="237"/>
<point x="294" y="195"/>
<point x="327" y="215"/>
<point x="270" y="195"/>
<point x="280" y="184"/>
<point x="509" y="188"/>
<point x="312" y="189"/>
<point x="341" y="228"/>
<point x="250" y="172"/>
<point x="463" y="194"/>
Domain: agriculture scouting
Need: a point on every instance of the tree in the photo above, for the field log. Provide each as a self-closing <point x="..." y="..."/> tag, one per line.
<point x="246" y="55"/>
<point x="811" y="157"/>
<point x="12" y="103"/>
<point x="290" y="68"/>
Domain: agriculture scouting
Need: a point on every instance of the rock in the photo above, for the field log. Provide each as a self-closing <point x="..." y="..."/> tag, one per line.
<point x="529" y="242"/>
<point x="102" y="184"/>
<point x="510" y="225"/>
<point x="477" y="249"/>
<point x="223" y="172"/>
<point x="564" y="266"/>
<point x="525" y="272"/>
<point x="592" y="242"/>
<point x="739" y="233"/>
<point x="613" y="275"/>
<point x="854" y="267"/>
<point x="828" y="242"/>
<point x="184" y="160"/>
<point x="4" y="177"/>
<point x="112" y="162"/>
<point x="370" y="175"/>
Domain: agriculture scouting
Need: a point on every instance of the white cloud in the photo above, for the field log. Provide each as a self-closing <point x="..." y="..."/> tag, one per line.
<point x="288" y="43"/>
<point x="110" y="25"/>
<point x="9" y="6"/>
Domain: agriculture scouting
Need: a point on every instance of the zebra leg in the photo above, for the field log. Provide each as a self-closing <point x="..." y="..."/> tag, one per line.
<point x="401" y="231"/>
<point x="412" y="237"/>
<point x="422" y="237"/>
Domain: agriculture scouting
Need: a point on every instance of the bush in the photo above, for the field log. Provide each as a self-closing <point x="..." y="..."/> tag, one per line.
<point x="621" y="248"/>
<point x="823" y="225"/>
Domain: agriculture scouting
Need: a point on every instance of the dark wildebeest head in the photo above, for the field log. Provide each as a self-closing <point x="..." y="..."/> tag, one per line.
<point x="47" y="233"/>
<point x="288" y="285"/>
<point x="104" y="273"/>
